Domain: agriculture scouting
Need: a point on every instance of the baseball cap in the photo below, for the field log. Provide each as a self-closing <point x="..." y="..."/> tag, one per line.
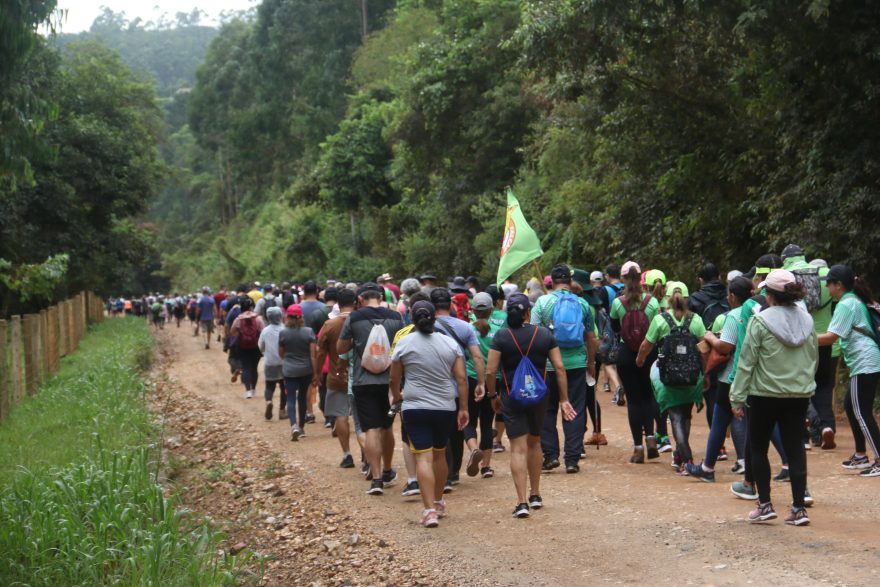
<point x="596" y="276"/>
<point x="792" y="251"/>
<point x="423" y="309"/>
<point x="561" y="272"/>
<point x="677" y="285"/>
<point x="295" y="310"/>
<point x="842" y="273"/>
<point x="655" y="275"/>
<point x="628" y="266"/>
<point x="370" y="286"/>
<point x="731" y="275"/>
<point x="482" y="301"/>
<point x="777" y="279"/>
<point x="518" y="302"/>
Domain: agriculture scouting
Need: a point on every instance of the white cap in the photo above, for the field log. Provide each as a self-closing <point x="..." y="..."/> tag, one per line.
<point x="596" y="276"/>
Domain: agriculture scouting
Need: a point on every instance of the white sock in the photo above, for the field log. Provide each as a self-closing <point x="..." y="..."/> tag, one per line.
<point x="411" y="480"/>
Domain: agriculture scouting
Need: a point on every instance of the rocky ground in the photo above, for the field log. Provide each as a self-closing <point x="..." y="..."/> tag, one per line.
<point x="311" y="523"/>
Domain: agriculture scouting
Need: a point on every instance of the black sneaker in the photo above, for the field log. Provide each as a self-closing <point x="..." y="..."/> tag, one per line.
<point x="310" y="419"/>
<point x="738" y="468"/>
<point x="376" y="488"/>
<point x="365" y="470"/>
<point x="453" y="478"/>
<point x="701" y="474"/>
<point x="550" y="464"/>
<point x="328" y="423"/>
<point x="412" y="488"/>
<point x="782" y="476"/>
<point x="388" y="477"/>
<point x="872" y="471"/>
<point x="448" y="488"/>
<point x="572" y="468"/>
<point x="618" y="398"/>
<point x="347" y="462"/>
<point x="268" y="410"/>
<point x="521" y="511"/>
<point x="857" y="462"/>
<point x="535" y="502"/>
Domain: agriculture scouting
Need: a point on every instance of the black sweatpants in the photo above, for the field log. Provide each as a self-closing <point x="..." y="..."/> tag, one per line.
<point x="479" y="413"/>
<point x="640" y="404"/>
<point x="859" y="405"/>
<point x="764" y="414"/>
<point x="823" y="399"/>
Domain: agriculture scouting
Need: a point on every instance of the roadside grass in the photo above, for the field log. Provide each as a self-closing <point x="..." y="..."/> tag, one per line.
<point x="80" y="503"/>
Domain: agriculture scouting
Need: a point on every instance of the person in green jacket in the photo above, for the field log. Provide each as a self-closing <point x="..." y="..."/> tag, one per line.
<point x="776" y="377"/>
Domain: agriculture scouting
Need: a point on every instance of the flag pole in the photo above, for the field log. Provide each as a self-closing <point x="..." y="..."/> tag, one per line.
<point x="540" y="276"/>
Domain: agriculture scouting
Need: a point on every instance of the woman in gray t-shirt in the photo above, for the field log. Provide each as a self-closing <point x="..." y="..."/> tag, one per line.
<point x="297" y="347"/>
<point x="430" y="361"/>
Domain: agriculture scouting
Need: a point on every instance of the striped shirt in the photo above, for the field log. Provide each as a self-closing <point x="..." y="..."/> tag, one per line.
<point x="861" y="353"/>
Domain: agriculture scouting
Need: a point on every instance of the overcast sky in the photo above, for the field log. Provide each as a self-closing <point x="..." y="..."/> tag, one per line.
<point x="81" y="13"/>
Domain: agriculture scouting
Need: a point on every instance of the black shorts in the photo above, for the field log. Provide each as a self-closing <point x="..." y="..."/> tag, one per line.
<point x="518" y="421"/>
<point x="428" y="429"/>
<point x="372" y="405"/>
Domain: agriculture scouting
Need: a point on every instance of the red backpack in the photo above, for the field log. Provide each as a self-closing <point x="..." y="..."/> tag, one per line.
<point x="248" y="335"/>
<point x="462" y="306"/>
<point x="635" y="325"/>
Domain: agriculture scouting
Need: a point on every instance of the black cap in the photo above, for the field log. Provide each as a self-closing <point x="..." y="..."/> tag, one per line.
<point x="423" y="309"/>
<point x="561" y="273"/>
<point x="842" y="273"/>
<point x="496" y="292"/>
<point x="370" y="286"/>
<point x="472" y="279"/>
<point x="331" y="294"/>
<point x="441" y="296"/>
<point x="428" y="275"/>
<point x="792" y="251"/>
<point x="518" y="302"/>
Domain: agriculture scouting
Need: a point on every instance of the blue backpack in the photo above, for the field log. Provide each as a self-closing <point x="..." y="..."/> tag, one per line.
<point x="527" y="388"/>
<point x="568" y="320"/>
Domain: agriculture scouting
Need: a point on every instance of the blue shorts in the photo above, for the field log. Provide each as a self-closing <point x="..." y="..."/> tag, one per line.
<point x="428" y="429"/>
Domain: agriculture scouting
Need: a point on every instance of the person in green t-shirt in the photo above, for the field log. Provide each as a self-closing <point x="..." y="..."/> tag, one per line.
<point x="579" y="360"/>
<point x="640" y="405"/>
<point x="851" y="325"/>
<point x="678" y="402"/>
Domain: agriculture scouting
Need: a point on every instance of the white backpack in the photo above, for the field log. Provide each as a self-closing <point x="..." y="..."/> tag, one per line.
<point x="377" y="353"/>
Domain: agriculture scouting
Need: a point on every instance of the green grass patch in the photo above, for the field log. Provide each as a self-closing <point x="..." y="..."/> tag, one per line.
<point x="79" y="499"/>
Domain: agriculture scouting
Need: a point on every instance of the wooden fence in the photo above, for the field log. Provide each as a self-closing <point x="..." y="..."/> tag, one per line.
<point x="31" y="346"/>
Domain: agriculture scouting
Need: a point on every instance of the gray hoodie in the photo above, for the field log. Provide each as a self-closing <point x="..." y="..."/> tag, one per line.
<point x="792" y="325"/>
<point x="269" y="337"/>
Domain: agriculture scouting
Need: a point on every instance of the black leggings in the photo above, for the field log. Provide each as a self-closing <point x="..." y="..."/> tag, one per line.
<point x="479" y="411"/>
<point x="859" y="405"/>
<point x="593" y="408"/>
<point x="298" y="391"/>
<point x="789" y="413"/>
<point x="680" y="416"/>
<point x="250" y="361"/>
<point x="269" y="392"/>
<point x="455" y="449"/>
<point x="640" y="404"/>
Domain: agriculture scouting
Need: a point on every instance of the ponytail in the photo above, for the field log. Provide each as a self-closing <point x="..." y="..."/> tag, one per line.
<point x="861" y="289"/>
<point x="482" y="323"/>
<point x="678" y="305"/>
<point x="659" y="291"/>
<point x="632" y="291"/>
<point x="515" y="318"/>
<point x="425" y="325"/>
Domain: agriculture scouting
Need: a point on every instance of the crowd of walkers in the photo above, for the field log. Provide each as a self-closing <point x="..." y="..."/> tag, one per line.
<point x="466" y="366"/>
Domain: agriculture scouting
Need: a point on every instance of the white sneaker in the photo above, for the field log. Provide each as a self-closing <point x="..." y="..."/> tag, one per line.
<point x="249" y="394"/>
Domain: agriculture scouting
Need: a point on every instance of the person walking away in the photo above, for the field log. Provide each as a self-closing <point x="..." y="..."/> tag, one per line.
<point x="853" y="327"/>
<point x="270" y="300"/>
<point x="273" y="374"/>
<point x="310" y="304"/>
<point x="776" y="377"/>
<point x="370" y="387"/>
<point x="433" y="365"/>
<point x="336" y="403"/>
<point x="631" y="315"/>
<point x="819" y="304"/>
<point x="739" y="291"/>
<point x="408" y="288"/>
<point x="612" y="289"/>
<point x="571" y="321"/>
<point x="509" y="347"/>
<point x="497" y="319"/>
<point x="297" y="346"/>
<point x="677" y="375"/>
<point x="156" y="309"/>
<point x="246" y="330"/>
<point x="464" y="336"/>
<point x="480" y="412"/>
<point x="654" y="283"/>
<point x="316" y="323"/>
<point x="206" y="315"/>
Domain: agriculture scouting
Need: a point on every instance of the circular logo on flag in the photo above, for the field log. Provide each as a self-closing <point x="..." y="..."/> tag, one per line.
<point x="509" y="236"/>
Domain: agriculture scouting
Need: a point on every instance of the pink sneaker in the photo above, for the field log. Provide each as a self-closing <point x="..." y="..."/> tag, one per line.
<point x="429" y="518"/>
<point x="440" y="508"/>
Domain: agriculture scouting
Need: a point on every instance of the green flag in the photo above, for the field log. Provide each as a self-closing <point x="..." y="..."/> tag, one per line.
<point x="520" y="244"/>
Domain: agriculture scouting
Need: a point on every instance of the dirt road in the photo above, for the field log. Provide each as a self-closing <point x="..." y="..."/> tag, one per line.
<point x="613" y="523"/>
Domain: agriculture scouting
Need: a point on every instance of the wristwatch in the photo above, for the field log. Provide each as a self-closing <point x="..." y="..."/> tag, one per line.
<point x="492" y="396"/>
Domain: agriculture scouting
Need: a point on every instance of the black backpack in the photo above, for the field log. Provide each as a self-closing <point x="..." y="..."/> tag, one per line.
<point x="609" y="347"/>
<point x="268" y="303"/>
<point x="712" y="310"/>
<point x="679" y="359"/>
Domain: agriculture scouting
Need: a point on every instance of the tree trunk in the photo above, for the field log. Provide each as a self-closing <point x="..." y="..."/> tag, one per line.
<point x="352" y="216"/>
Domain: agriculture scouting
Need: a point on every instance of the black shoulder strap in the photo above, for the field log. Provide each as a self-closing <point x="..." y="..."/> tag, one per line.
<point x="447" y="329"/>
<point x="687" y="322"/>
<point x="668" y="319"/>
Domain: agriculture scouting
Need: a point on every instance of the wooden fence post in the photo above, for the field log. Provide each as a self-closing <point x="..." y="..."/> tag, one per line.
<point x="83" y="317"/>
<point x="29" y="362"/>
<point x="15" y="370"/>
<point x="71" y="327"/>
<point x="55" y="327"/>
<point x="44" y="344"/>
<point x="4" y="374"/>
<point x="51" y="340"/>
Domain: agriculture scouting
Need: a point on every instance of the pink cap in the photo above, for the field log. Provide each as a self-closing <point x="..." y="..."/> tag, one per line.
<point x="624" y="271"/>
<point x="548" y="281"/>
<point x="777" y="280"/>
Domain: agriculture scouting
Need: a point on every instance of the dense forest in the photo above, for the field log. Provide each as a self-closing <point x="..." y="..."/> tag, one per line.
<point x="346" y="139"/>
